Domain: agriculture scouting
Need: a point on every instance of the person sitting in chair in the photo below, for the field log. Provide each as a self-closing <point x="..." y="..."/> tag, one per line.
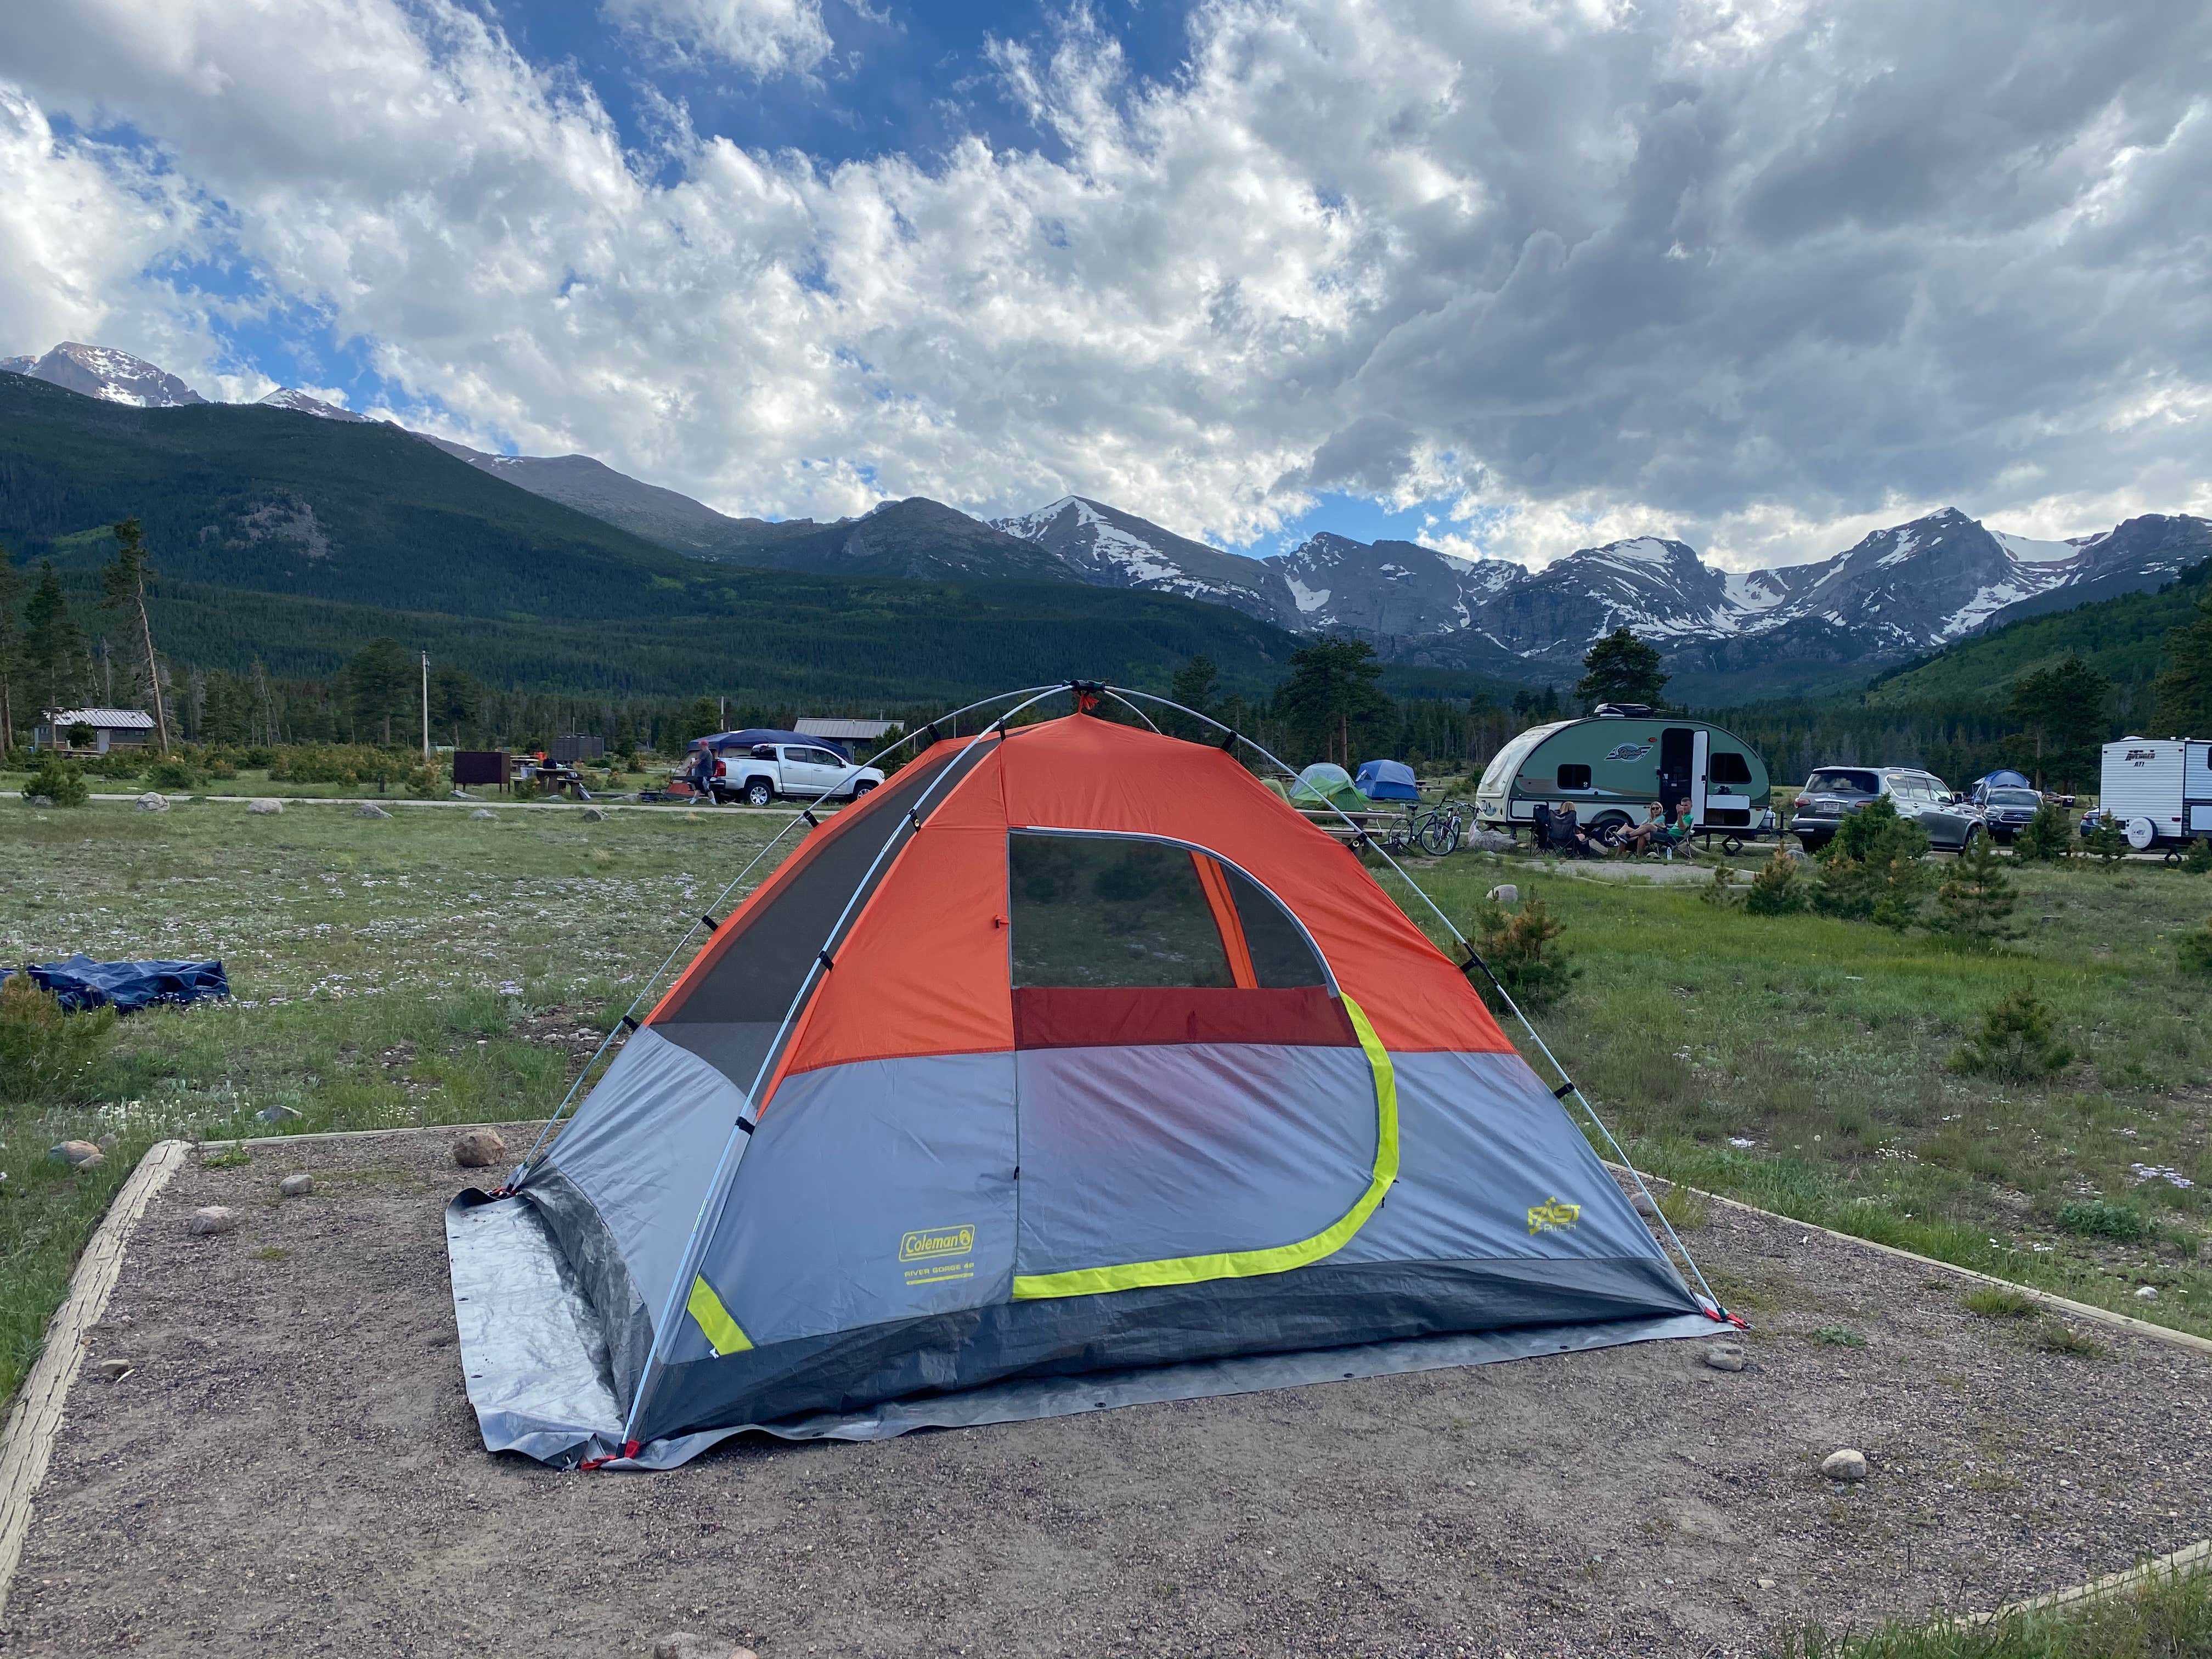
<point x="1640" y="838"/>
<point x="1573" y="839"/>
<point x="1675" y="836"/>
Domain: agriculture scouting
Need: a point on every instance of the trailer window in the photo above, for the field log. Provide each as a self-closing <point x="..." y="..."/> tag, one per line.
<point x="1574" y="777"/>
<point x="1729" y="767"/>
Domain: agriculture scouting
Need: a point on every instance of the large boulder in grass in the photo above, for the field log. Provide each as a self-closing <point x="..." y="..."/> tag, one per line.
<point x="153" y="802"/>
<point x="265" y="809"/>
<point x="478" y="1149"/>
<point x="369" y="809"/>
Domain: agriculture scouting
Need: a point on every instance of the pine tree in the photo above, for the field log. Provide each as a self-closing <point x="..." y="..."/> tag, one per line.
<point x="1621" y="668"/>
<point x="53" y="647"/>
<point x="2049" y="835"/>
<point x="11" y="585"/>
<point x="1974" y="906"/>
<point x="123" y="581"/>
<point x="2184" y="691"/>
<point x="2064" y="707"/>
<point x="1776" y="890"/>
<point x="1332" y="694"/>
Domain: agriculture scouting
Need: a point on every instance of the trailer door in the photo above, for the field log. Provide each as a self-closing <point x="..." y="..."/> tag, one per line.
<point x="1681" y="760"/>
<point x="1701" y="756"/>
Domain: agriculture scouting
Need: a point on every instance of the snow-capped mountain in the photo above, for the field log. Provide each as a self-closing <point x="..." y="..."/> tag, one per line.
<point x="1109" y="548"/>
<point x="1899" y="591"/>
<point x="299" y="403"/>
<point x="102" y="372"/>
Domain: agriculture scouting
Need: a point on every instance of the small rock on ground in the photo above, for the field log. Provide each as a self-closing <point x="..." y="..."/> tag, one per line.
<point x="77" y="1153"/>
<point x="1644" y="1207"/>
<point x="39" y="800"/>
<point x="212" y="1219"/>
<point x="689" y="1645"/>
<point x="1504" y="893"/>
<point x="592" y="815"/>
<point x="484" y="812"/>
<point x="1844" y="1465"/>
<point x="296" y="1185"/>
<point x="479" y="1149"/>
<point x="264" y="809"/>
<point x="2148" y="1293"/>
<point x="1724" y="1357"/>
<point x="114" y="1370"/>
<point x="369" y="809"/>
<point x="153" y="802"/>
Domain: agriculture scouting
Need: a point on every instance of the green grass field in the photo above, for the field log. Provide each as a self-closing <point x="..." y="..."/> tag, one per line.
<point x="424" y="969"/>
<point x="1799" y="1063"/>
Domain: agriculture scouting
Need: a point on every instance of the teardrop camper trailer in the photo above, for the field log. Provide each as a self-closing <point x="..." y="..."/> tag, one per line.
<point x="1612" y="765"/>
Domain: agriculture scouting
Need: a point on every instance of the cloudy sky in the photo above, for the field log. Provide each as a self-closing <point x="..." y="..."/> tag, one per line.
<point x="1507" y="276"/>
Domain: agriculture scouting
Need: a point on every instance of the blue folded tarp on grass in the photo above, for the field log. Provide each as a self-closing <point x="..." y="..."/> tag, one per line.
<point x="126" y="987"/>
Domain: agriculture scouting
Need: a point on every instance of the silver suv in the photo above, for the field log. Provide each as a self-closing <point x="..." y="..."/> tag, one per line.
<point x="1953" y="822"/>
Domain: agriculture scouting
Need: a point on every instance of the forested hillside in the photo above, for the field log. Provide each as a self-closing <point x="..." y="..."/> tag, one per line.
<point x="2122" y="638"/>
<point x="293" y="541"/>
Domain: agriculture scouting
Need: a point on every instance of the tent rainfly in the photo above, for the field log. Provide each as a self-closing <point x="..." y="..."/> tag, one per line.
<point x="1323" y="784"/>
<point x="1386" y="779"/>
<point x="1069" y="1068"/>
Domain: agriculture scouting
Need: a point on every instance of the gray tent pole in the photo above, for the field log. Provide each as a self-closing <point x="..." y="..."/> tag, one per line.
<point x="629" y="1020"/>
<point x="1474" y="956"/>
<point x="726" y="1167"/>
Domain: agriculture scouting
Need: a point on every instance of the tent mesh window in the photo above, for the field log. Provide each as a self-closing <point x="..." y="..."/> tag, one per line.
<point x="1116" y="911"/>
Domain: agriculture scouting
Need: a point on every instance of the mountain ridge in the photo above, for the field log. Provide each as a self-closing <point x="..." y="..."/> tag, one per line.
<point x="1898" y="592"/>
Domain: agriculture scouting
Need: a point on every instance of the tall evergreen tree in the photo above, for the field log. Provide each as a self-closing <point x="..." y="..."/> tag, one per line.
<point x="2064" y="709"/>
<point x="11" y="640"/>
<point x="1195" y="686"/>
<point x="52" y="650"/>
<point x="123" y="581"/>
<point x="379" y="686"/>
<point x="1621" y="668"/>
<point x="454" y="700"/>
<point x="2184" y="689"/>
<point x="1332" y="697"/>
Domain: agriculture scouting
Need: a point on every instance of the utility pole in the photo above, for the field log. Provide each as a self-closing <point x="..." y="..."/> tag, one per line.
<point x="426" y="709"/>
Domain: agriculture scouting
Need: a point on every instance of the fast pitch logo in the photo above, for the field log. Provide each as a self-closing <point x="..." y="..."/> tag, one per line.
<point x="1552" y="1216"/>
<point x="938" y="1254"/>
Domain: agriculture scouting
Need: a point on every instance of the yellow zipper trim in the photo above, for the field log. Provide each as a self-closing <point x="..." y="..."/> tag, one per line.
<point x="1244" y="1264"/>
<point x="723" y="1333"/>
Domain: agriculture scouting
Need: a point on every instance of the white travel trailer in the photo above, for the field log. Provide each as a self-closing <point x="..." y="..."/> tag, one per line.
<point x="2157" y="790"/>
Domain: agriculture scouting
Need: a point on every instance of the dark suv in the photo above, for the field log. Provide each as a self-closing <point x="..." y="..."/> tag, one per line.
<point x="2007" y="808"/>
<point x="1951" y="822"/>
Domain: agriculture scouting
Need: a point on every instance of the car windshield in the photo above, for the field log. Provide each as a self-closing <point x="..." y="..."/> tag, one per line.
<point x="1837" y="780"/>
<point x="2014" y="797"/>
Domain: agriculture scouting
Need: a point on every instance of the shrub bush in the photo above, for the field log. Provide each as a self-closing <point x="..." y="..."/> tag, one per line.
<point x="177" y="772"/>
<point x="338" y="762"/>
<point x="1720" y="892"/>
<point x="2102" y="1221"/>
<point x="1871" y="870"/>
<point x="2049" y="835"/>
<point x="2018" y="1041"/>
<point x="2198" y="858"/>
<point x="1776" y="890"/>
<point x="1518" y="944"/>
<point x="2108" y="841"/>
<point x="57" y="780"/>
<point x="2192" y="952"/>
<point x="1974" y="905"/>
<point x="42" y="1048"/>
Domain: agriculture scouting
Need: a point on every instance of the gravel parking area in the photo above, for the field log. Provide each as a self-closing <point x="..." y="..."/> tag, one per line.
<point x="293" y="1468"/>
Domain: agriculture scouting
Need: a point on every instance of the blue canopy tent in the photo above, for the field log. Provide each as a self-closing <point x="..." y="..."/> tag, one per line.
<point x="1386" y="779"/>
<point x="2003" y="778"/>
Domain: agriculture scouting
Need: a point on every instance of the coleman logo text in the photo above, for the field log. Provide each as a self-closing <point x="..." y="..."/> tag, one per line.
<point x="936" y="1241"/>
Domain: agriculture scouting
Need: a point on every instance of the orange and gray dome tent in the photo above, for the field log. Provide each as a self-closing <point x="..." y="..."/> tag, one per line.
<point x="1071" y="1068"/>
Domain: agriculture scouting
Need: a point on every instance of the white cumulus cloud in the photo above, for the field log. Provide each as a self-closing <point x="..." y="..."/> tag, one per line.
<point x="1749" y="274"/>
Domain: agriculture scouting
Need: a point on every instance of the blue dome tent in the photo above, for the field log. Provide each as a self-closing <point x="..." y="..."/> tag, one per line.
<point x="1386" y="779"/>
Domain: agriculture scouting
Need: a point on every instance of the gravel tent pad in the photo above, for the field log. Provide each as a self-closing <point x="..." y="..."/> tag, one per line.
<point x="294" y="1467"/>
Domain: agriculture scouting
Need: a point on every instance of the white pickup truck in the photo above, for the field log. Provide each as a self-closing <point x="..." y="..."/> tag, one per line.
<point x="759" y="775"/>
